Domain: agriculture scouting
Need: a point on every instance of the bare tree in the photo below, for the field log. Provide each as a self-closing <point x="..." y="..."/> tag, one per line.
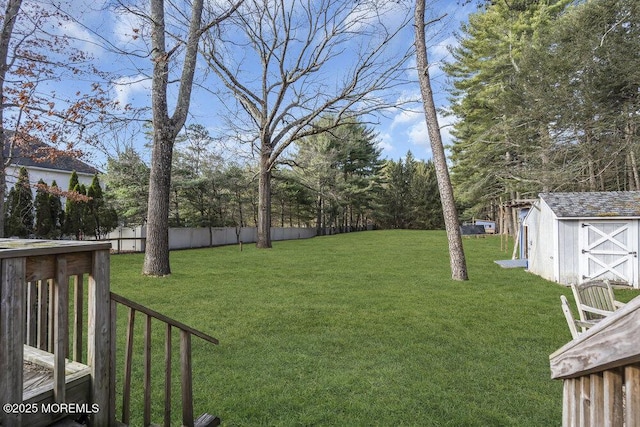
<point x="165" y="127"/>
<point x="288" y="62"/>
<point x="456" y="250"/>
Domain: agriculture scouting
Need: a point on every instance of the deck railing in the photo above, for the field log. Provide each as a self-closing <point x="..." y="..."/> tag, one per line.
<point x="185" y="364"/>
<point x="36" y="302"/>
<point x="601" y="372"/>
<point x="55" y="297"/>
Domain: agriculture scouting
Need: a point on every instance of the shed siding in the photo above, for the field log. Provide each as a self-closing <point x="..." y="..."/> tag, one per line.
<point x="568" y="252"/>
<point x="540" y="223"/>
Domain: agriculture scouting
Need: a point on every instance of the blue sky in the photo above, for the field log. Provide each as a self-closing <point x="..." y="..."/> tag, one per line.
<point x="399" y="130"/>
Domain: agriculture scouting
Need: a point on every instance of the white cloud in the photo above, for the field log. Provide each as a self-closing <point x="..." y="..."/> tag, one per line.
<point x="385" y="144"/>
<point x="419" y="135"/>
<point x="127" y="87"/>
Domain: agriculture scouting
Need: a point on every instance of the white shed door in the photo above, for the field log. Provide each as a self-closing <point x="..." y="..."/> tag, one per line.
<point x="609" y="250"/>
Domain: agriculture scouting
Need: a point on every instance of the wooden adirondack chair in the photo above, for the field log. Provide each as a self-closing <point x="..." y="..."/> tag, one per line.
<point x="572" y="322"/>
<point x="595" y="300"/>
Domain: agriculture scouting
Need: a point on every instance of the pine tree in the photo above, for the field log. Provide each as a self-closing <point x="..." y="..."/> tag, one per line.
<point x="19" y="221"/>
<point x="44" y="222"/>
<point x="56" y="211"/>
<point x="74" y="208"/>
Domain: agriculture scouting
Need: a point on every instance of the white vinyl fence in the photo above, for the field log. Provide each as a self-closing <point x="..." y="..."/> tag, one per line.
<point x="128" y="239"/>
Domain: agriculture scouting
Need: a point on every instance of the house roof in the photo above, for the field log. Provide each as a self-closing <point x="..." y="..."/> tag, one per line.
<point x="36" y="153"/>
<point x="594" y="204"/>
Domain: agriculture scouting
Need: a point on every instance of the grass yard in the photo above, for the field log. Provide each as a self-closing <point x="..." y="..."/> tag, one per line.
<point x="359" y="329"/>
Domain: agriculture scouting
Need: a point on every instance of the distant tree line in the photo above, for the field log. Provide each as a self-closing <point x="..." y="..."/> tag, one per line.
<point x="85" y="212"/>
<point x="334" y="181"/>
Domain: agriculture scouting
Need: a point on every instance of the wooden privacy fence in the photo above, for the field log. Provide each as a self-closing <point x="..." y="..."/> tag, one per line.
<point x="601" y="372"/>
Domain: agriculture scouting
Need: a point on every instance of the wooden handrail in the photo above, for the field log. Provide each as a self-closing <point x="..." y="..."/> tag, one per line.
<point x="601" y="372"/>
<point x="185" y="364"/>
<point x="149" y="312"/>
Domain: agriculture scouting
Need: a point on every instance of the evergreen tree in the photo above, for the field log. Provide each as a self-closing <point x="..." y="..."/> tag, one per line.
<point x="99" y="219"/>
<point x="490" y="148"/>
<point x="56" y="211"/>
<point x="74" y="208"/>
<point x="19" y="220"/>
<point x="44" y="222"/>
<point x="127" y="186"/>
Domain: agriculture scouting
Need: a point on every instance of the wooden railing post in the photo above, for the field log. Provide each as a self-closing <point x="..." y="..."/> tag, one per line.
<point x="61" y="328"/>
<point x="167" y="377"/>
<point x="12" y="298"/>
<point x="147" y="372"/>
<point x="99" y="339"/>
<point x="78" y="306"/>
<point x="43" y="328"/>
<point x="186" y="378"/>
<point x="128" y="355"/>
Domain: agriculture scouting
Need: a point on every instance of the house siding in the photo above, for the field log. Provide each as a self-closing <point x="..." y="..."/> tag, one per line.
<point x="47" y="175"/>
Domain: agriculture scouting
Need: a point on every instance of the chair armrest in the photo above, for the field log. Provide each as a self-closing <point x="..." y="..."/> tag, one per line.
<point x="619" y="304"/>
<point x="586" y="323"/>
<point x="596" y="310"/>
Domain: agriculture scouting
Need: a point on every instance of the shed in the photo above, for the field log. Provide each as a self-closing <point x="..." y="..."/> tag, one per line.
<point x="577" y="237"/>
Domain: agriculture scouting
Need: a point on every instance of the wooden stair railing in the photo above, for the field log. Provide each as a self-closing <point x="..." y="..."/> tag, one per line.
<point x="185" y="364"/>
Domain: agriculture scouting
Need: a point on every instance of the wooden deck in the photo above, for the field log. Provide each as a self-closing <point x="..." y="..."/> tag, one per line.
<point x="58" y="323"/>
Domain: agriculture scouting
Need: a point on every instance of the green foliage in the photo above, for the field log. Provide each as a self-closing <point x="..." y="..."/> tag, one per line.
<point x="98" y="219"/>
<point x="342" y="168"/>
<point x="547" y="94"/>
<point x="127" y="187"/>
<point x="409" y="196"/>
<point x="57" y="213"/>
<point x="74" y="208"/>
<point x="19" y="216"/>
<point x="44" y="222"/>
<point x="486" y="153"/>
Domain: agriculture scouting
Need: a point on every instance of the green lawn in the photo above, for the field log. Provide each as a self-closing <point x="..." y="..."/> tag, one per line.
<point x="359" y="329"/>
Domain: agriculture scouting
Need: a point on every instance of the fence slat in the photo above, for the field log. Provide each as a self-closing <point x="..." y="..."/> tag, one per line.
<point x="78" y="307"/>
<point x="596" y="404"/>
<point x="50" y="316"/>
<point x="147" y="372"/>
<point x="186" y="379"/>
<point x="128" y="355"/>
<point x="632" y="393"/>
<point x="43" y="326"/>
<point x="61" y="328"/>
<point x="32" y="314"/>
<point x="167" y="378"/>
<point x="613" y="414"/>
<point x="585" y="401"/>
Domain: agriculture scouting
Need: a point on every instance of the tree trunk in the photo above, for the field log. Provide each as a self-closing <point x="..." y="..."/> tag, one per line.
<point x="11" y="12"/>
<point x="165" y="130"/>
<point x="456" y="250"/>
<point x="319" y="215"/>
<point x="156" y="259"/>
<point x="264" y="203"/>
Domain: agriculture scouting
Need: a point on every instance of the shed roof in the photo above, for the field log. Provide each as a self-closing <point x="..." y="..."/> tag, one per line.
<point x="594" y="204"/>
